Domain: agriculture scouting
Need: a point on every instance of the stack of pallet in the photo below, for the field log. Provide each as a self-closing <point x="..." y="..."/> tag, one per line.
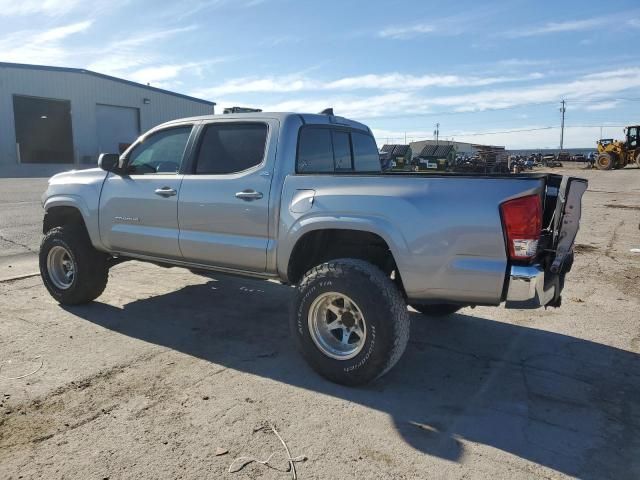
<point x="494" y="158"/>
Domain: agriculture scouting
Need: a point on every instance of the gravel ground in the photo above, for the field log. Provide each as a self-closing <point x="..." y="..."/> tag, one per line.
<point x="167" y="367"/>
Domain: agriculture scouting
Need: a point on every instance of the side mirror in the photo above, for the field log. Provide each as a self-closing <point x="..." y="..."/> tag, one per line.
<point x="109" y="162"/>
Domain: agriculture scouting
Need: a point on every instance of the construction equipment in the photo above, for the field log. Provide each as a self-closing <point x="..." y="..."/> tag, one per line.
<point x="619" y="153"/>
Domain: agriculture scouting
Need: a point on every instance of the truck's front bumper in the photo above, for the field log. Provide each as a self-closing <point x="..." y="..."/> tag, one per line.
<point x="528" y="289"/>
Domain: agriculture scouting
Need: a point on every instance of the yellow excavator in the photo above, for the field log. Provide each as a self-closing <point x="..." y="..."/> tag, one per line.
<point x="619" y="153"/>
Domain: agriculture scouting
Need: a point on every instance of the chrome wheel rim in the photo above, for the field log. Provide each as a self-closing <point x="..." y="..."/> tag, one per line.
<point x="337" y="326"/>
<point x="61" y="267"/>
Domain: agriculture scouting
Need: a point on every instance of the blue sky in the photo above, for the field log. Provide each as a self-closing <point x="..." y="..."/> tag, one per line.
<point x="478" y="68"/>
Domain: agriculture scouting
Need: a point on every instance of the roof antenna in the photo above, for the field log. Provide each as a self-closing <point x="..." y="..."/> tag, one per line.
<point x="327" y="111"/>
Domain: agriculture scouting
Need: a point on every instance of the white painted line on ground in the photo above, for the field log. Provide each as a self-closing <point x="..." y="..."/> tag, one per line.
<point x="19" y="277"/>
<point x="13" y="204"/>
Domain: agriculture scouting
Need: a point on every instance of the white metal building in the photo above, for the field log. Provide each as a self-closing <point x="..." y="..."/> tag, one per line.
<point x="68" y="116"/>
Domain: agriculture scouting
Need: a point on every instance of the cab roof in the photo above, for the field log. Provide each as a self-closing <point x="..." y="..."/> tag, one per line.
<point x="306" y="118"/>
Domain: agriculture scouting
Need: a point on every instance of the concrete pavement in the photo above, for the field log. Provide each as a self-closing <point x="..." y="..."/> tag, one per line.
<point x="20" y="225"/>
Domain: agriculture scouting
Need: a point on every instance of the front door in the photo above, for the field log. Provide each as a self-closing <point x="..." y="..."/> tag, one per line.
<point x="224" y="199"/>
<point x="139" y="209"/>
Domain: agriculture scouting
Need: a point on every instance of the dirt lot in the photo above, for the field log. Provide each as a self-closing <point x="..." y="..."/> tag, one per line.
<point x="168" y="366"/>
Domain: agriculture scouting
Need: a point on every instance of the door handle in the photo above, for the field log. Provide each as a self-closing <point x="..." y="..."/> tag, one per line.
<point x="166" y="192"/>
<point x="249" y="195"/>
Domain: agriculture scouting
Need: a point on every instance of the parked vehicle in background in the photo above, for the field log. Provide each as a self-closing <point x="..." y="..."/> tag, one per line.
<point x="619" y="153"/>
<point x="548" y="158"/>
<point x="301" y="198"/>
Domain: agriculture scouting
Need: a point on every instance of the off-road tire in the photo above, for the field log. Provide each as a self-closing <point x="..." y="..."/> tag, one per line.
<point x="436" y="310"/>
<point x="91" y="267"/>
<point x="383" y="308"/>
<point x="638" y="160"/>
<point x="605" y="161"/>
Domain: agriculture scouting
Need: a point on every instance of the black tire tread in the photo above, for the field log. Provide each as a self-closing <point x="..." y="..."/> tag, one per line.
<point x="92" y="267"/>
<point x="340" y="267"/>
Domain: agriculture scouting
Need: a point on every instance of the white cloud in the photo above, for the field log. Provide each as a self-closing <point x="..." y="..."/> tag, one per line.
<point x="405" y="32"/>
<point x="595" y="88"/>
<point x="63" y="32"/>
<point x="634" y="22"/>
<point x="372" y="106"/>
<point x="592" y="86"/>
<point x="120" y="56"/>
<point x="56" y="8"/>
<point x="31" y="7"/>
<point x="559" y="27"/>
<point x="522" y="62"/>
<point x="160" y="74"/>
<point x="397" y="81"/>
<point x="602" y="106"/>
<point x="31" y="46"/>
<point x="390" y="81"/>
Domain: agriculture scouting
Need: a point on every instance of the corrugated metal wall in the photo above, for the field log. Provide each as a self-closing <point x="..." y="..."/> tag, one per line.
<point x="85" y="92"/>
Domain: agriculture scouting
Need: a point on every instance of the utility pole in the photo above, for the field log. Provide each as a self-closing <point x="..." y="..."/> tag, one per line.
<point x="405" y="138"/>
<point x="437" y="132"/>
<point x="562" y="109"/>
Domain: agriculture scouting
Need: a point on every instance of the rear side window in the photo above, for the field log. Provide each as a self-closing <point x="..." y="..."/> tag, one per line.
<point x="365" y="153"/>
<point x="231" y="148"/>
<point x="342" y="150"/>
<point x="322" y="150"/>
<point x="315" y="151"/>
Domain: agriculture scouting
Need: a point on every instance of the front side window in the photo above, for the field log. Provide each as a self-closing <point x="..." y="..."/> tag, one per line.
<point x="161" y="152"/>
<point x="231" y="148"/>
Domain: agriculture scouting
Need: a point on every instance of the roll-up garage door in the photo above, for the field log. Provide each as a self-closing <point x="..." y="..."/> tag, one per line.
<point x="117" y="127"/>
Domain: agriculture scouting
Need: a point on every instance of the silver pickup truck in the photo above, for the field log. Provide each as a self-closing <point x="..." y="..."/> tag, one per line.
<point x="301" y="198"/>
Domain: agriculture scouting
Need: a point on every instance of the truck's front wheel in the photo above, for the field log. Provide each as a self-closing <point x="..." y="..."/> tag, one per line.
<point x="72" y="270"/>
<point x="349" y="321"/>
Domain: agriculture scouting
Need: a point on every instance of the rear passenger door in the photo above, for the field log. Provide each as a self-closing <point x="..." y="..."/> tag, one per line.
<point x="223" y="208"/>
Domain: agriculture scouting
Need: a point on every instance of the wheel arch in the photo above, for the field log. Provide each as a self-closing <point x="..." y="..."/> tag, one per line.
<point x="65" y="210"/>
<point x="329" y="241"/>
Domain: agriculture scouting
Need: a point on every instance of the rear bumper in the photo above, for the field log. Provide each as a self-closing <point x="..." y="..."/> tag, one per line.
<point x="528" y="289"/>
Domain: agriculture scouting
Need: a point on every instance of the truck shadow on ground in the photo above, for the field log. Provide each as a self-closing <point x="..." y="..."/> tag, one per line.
<point x="558" y="401"/>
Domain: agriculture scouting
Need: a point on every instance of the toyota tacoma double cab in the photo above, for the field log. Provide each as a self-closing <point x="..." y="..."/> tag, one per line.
<point x="301" y="198"/>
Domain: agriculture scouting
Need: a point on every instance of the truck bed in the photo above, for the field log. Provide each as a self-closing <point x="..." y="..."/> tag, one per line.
<point x="443" y="229"/>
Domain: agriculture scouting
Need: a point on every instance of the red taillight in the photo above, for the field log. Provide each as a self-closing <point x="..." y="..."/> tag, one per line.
<point x="522" y="219"/>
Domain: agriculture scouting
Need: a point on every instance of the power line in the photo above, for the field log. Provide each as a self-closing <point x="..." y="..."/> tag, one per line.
<point x="478" y="134"/>
<point x="553" y="127"/>
<point x="521" y="130"/>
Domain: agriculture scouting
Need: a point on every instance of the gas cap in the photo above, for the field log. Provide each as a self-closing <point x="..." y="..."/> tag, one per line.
<point x="302" y="201"/>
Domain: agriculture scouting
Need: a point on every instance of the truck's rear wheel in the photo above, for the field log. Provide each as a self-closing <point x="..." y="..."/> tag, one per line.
<point x="605" y="161"/>
<point x="72" y="270"/>
<point x="436" y="310"/>
<point x="349" y="321"/>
